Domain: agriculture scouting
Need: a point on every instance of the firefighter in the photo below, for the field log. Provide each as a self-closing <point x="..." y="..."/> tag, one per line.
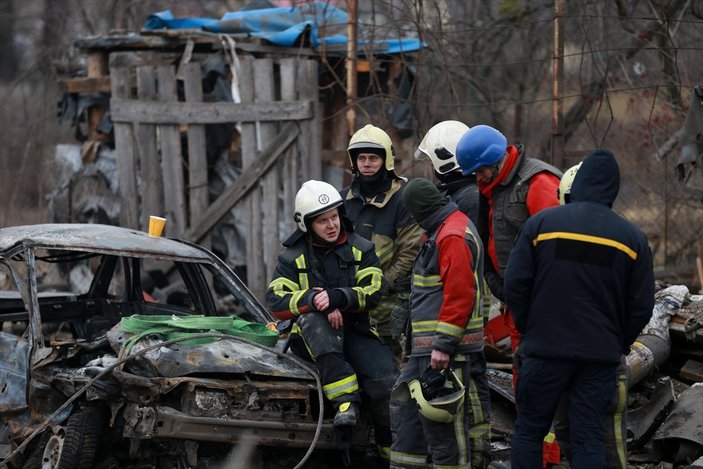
<point x="512" y="188"/>
<point x="615" y="418"/>
<point x="580" y="285"/>
<point x="374" y="205"/>
<point x="439" y="145"/>
<point x="430" y="405"/>
<point x="327" y="278"/>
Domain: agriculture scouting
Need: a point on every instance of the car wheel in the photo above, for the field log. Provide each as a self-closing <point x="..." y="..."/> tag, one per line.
<point x="79" y="445"/>
<point x="52" y="451"/>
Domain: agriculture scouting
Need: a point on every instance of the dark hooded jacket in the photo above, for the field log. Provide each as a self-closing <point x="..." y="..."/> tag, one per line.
<point x="580" y="281"/>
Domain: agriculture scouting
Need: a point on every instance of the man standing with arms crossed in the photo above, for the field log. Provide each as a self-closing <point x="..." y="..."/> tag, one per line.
<point x="375" y="207"/>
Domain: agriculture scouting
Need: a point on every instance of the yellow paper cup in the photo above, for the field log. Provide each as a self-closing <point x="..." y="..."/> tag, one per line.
<point x="156" y="226"/>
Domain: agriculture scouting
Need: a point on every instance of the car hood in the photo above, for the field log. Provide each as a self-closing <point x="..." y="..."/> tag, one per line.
<point x="225" y="356"/>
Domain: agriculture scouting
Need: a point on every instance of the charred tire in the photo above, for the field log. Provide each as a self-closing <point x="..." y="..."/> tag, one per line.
<point x="34" y="455"/>
<point x="80" y="443"/>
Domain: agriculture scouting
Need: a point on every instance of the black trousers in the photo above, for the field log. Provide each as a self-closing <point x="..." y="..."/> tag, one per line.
<point x="542" y="384"/>
<point x="350" y="360"/>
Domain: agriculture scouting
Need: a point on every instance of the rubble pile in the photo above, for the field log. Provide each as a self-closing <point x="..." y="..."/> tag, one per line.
<point x="665" y="375"/>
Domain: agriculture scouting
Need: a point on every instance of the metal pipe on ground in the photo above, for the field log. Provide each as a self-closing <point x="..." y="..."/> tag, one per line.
<point x="647" y="353"/>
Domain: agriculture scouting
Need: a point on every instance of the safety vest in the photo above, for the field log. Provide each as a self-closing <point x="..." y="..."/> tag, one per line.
<point x="510" y="205"/>
<point x="428" y="293"/>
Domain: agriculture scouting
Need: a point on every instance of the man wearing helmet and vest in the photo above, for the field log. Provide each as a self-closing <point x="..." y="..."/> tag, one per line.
<point x="327" y="278"/>
<point x="615" y="418"/>
<point x="580" y="285"/>
<point x="513" y="188"/>
<point x="439" y="145"/>
<point x="374" y="205"/>
<point x="433" y="396"/>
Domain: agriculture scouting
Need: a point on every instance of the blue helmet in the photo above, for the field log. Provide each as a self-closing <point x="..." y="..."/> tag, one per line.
<point x="480" y="146"/>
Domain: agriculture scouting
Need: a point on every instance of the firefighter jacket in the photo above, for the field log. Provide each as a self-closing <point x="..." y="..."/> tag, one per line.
<point x="385" y="221"/>
<point x="350" y="266"/>
<point x="445" y="303"/>
<point x="580" y="281"/>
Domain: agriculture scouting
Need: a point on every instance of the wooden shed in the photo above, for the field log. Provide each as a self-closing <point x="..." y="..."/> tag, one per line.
<point x="283" y="131"/>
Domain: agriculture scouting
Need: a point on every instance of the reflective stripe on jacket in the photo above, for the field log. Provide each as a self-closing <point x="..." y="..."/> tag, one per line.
<point x="351" y="266"/>
<point x="445" y="304"/>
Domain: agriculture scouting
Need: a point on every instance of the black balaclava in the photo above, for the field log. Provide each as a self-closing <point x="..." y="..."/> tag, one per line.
<point x="422" y="199"/>
<point x="379" y="182"/>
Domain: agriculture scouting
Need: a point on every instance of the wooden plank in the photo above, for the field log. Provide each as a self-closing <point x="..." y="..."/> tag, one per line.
<point x="311" y="129"/>
<point x="197" y="156"/>
<point x="97" y="67"/>
<point x="253" y="202"/>
<point x="141" y="58"/>
<point x="175" y="39"/>
<point x="244" y="184"/>
<point x="289" y="92"/>
<point x="154" y="112"/>
<point x="85" y="85"/>
<point x="124" y="149"/>
<point x="149" y="161"/>
<point x="692" y="370"/>
<point x="171" y="159"/>
<point x="264" y="91"/>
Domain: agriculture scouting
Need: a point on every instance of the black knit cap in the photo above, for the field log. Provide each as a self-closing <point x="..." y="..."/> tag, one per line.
<point x="422" y="199"/>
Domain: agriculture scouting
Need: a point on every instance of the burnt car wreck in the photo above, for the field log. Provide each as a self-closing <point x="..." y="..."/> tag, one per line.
<point x="168" y="376"/>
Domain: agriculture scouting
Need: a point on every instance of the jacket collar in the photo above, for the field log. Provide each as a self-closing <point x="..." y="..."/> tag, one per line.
<point x="380" y="199"/>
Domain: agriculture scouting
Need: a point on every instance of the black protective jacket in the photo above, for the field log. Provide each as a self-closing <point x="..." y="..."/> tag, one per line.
<point x="580" y="282"/>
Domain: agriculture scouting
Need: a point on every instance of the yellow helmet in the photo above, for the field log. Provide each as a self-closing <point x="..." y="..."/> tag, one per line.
<point x="439" y="396"/>
<point x="371" y="138"/>
<point x="564" y="190"/>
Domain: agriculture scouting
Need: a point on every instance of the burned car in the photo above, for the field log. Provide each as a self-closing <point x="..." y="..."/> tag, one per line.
<point x="113" y="364"/>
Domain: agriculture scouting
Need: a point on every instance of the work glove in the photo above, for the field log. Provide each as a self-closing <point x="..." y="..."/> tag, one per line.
<point x="402" y="284"/>
<point x="400" y="315"/>
<point x="495" y="284"/>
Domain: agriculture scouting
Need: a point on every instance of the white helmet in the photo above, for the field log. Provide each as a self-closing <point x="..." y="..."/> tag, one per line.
<point x="314" y="198"/>
<point x="564" y="191"/>
<point x="439" y="145"/>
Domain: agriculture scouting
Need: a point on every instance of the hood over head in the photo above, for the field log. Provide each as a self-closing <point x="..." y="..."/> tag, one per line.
<point x="598" y="179"/>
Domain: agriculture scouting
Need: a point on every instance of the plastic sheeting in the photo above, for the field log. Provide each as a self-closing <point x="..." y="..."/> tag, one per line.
<point x="286" y="27"/>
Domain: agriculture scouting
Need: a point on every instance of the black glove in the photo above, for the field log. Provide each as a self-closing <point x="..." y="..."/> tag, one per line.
<point x="338" y="300"/>
<point x="495" y="284"/>
<point x="402" y="284"/>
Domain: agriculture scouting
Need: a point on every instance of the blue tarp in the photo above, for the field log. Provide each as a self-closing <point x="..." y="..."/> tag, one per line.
<point x="284" y="27"/>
